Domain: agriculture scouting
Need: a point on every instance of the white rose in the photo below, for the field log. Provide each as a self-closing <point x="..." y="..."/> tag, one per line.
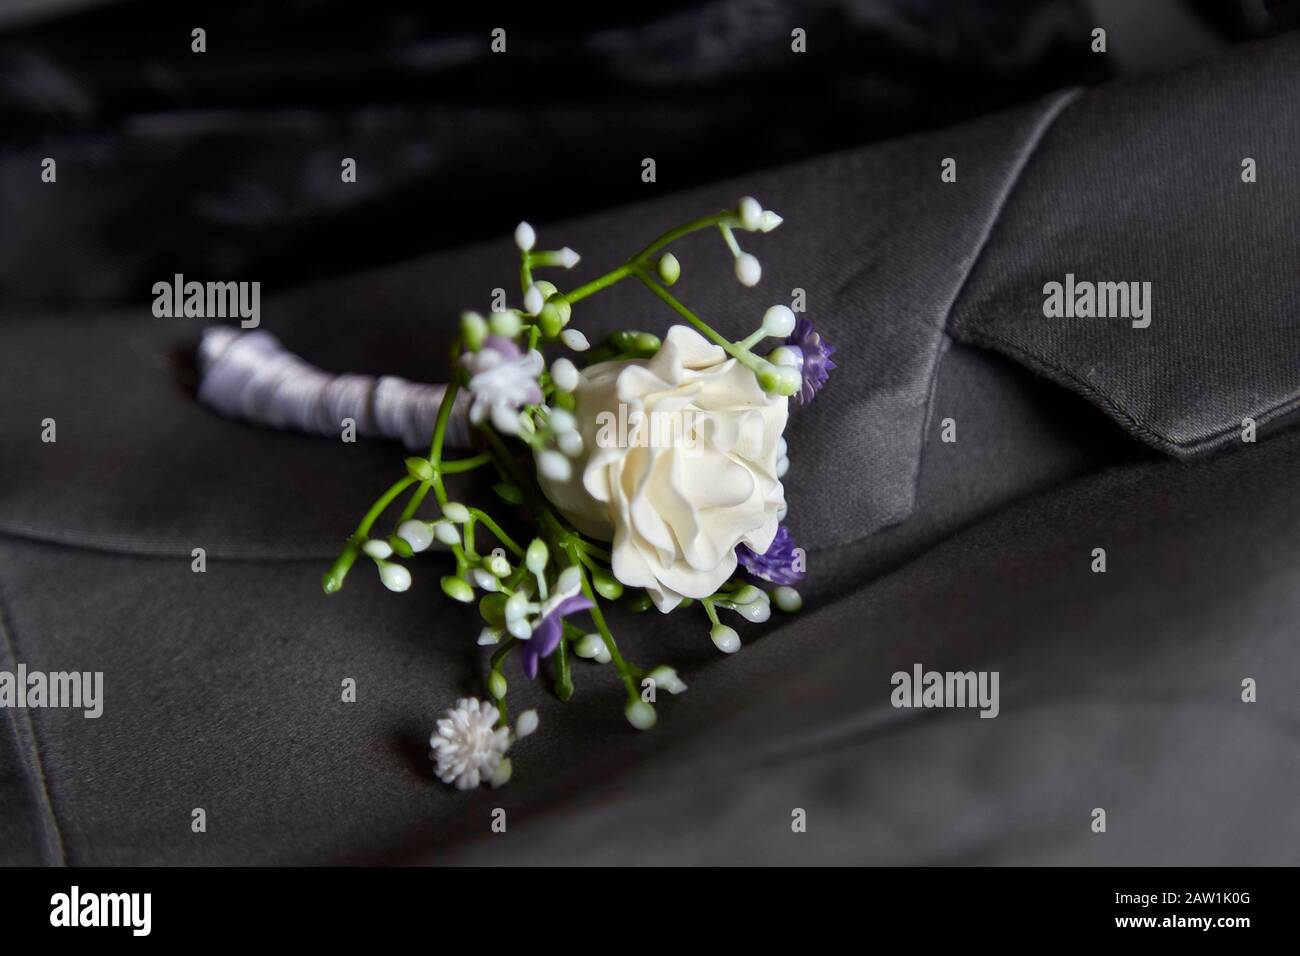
<point x="690" y="475"/>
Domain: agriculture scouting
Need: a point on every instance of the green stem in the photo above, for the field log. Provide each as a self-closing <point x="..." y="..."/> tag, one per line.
<point x="742" y="355"/>
<point x="495" y="528"/>
<point x="414" y="503"/>
<point x="498" y="658"/>
<point x="595" y="285"/>
<point x="595" y="550"/>
<point x="626" y="672"/>
<point x="563" y="679"/>
<point x="333" y="578"/>
<point x="726" y="218"/>
<point x="710" y="611"/>
<point x="729" y="238"/>
<point x="468" y="537"/>
<point x="464" y="464"/>
<point x="440" y="426"/>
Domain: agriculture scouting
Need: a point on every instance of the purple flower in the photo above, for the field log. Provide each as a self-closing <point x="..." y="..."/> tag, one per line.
<point x="547" y="633"/>
<point x="776" y="564"/>
<point x="812" y="358"/>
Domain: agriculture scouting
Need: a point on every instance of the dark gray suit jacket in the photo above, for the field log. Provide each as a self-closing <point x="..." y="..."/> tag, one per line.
<point x="1120" y="691"/>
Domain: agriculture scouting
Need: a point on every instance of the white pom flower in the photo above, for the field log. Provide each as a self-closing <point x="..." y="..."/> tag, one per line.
<point x="468" y="747"/>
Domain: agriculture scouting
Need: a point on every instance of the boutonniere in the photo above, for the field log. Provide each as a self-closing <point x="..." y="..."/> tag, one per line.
<point x="649" y="469"/>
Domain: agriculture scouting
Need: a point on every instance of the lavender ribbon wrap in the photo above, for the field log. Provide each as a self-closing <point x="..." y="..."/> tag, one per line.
<point x="252" y="377"/>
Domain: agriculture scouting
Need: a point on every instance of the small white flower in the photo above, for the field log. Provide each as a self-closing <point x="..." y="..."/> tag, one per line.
<point x="725" y="639"/>
<point x="378" y="549"/>
<point x="468" y="747"/>
<point x="485" y="580"/>
<point x="474" y="329"/>
<point x="667" y="678"/>
<point x="562" y="422"/>
<point x="756" y="612"/>
<point x="564" y="374"/>
<point x="751" y="213"/>
<point x="778" y="321"/>
<point x="455" y="511"/>
<point x="589" y="646"/>
<point x="640" y="714"/>
<point x="554" y="466"/>
<point x="570" y="443"/>
<point x="787" y="599"/>
<point x="489" y="636"/>
<point x="748" y="269"/>
<point x="504" y="324"/>
<point x="533" y="300"/>
<point x="526" y="724"/>
<point x="770" y="221"/>
<point x="501" y="381"/>
<point x="569" y="258"/>
<point x="394" y="576"/>
<point x="446" y="532"/>
<point x="417" y="534"/>
<point x="575" y="340"/>
<point x="525" y="237"/>
<point x="536" y="556"/>
<point x="516" y="606"/>
<point x="567" y="585"/>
